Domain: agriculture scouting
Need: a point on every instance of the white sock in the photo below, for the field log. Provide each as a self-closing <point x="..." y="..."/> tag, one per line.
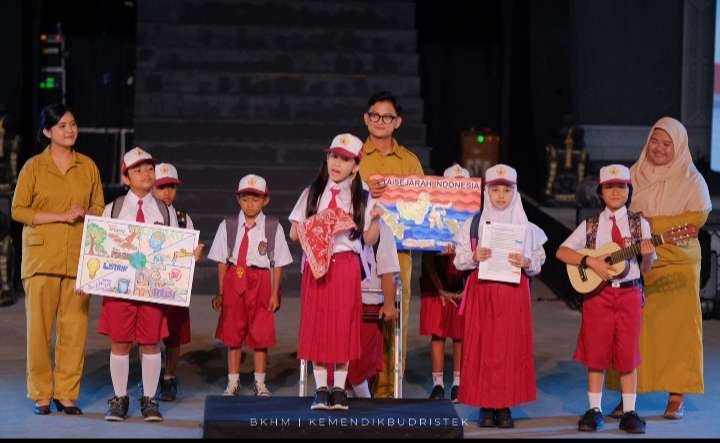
<point x="595" y="399"/>
<point x="151" y="365"/>
<point x="438" y="379"/>
<point x="456" y="378"/>
<point x="362" y="390"/>
<point x="320" y="373"/>
<point x="168" y="377"/>
<point x="260" y="377"/>
<point x="341" y="371"/>
<point x="629" y="402"/>
<point x="233" y="378"/>
<point x="119" y="370"/>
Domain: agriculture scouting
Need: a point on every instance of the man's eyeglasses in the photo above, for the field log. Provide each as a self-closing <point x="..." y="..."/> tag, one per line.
<point x="386" y="118"/>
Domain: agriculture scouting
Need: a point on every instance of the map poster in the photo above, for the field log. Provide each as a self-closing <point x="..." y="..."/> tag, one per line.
<point x="424" y="213"/>
<point x="137" y="261"/>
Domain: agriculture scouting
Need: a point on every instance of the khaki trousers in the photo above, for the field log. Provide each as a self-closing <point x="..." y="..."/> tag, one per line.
<point x="384" y="386"/>
<point x="51" y="299"/>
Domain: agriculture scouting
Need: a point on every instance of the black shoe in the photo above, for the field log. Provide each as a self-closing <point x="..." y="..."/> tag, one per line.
<point x="438" y="393"/>
<point x="338" y="399"/>
<point x="503" y="418"/>
<point x="150" y="409"/>
<point x="69" y="410"/>
<point x="591" y="421"/>
<point x="617" y="413"/>
<point x="322" y="399"/>
<point x="41" y="410"/>
<point x="168" y="389"/>
<point x="632" y="423"/>
<point x="487" y="418"/>
<point x="454" y="392"/>
<point x="117" y="408"/>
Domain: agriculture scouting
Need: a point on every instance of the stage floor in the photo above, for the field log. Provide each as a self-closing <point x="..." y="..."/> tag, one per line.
<point x="202" y="371"/>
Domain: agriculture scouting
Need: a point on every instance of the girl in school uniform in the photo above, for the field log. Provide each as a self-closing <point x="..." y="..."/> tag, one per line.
<point x="441" y="285"/>
<point x="331" y="306"/>
<point x="497" y="362"/>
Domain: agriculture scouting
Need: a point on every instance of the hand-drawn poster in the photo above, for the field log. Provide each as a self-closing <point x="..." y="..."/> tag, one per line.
<point x="424" y="213"/>
<point x="137" y="261"/>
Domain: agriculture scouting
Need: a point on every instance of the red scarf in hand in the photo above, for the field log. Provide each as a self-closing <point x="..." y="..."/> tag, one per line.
<point x="316" y="236"/>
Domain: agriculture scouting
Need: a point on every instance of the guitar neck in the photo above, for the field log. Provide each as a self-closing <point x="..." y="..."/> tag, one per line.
<point x="632" y="251"/>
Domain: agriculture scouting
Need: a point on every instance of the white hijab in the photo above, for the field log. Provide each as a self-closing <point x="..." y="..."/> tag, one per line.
<point x="514" y="213"/>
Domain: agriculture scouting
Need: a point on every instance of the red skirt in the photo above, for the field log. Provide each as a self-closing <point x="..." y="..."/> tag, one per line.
<point x="371" y="359"/>
<point x="178" y="319"/>
<point x="438" y="320"/>
<point x="331" y="312"/>
<point x="497" y="360"/>
<point x="244" y="317"/>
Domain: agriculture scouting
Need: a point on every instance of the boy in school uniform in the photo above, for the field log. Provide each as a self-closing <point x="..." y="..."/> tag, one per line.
<point x="178" y="317"/>
<point x="611" y="318"/>
<point x="380" y="266"/>
<point x="129" y="321"/>
<point x="251" y="250"/>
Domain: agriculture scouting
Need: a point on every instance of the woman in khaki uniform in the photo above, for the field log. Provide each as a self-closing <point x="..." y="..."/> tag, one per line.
<point x="55" y="190"/>
<point x="669" y="191"/>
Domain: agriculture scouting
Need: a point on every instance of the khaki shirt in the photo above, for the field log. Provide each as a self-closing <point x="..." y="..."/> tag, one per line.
<point x="401" y="161"/>
<point x="54" y="248"/>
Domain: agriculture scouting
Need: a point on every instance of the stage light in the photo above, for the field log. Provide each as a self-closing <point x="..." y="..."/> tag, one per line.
<point x="480" y="138"/>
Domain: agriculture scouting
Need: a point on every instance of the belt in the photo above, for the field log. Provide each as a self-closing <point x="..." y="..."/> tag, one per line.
<point x="626" y="284"/>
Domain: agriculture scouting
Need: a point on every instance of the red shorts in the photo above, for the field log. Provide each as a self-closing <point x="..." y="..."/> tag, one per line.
<point x="371" y="359"/>
<point x="178" y="319"/>
<point x="244" y="317"/>
<point x="130" y="321"/>
<point x="610" y="330"/>
<point x="438" y="320"/>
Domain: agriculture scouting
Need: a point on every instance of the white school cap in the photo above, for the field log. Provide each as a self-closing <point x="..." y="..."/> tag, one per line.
<point x="346" y="145"/>
<point x="614" y="174"/>
<point x="501" y="175"/>
<point x="252" y="184"/>
<point x="165" y="173"/>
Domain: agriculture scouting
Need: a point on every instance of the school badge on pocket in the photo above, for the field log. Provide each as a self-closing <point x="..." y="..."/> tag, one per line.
<point x="262" y="248"/>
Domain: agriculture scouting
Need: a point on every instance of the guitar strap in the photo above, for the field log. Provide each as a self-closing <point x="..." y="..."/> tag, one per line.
<point x="591" y="228"/>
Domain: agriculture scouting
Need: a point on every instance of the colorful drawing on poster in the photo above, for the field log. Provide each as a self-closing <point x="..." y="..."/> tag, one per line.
<point x="424" y="213"/>
<point x="137" y="261"/>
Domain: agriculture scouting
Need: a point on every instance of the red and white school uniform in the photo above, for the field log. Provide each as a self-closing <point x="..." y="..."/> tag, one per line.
<point x="178" y="317"/>
<point x="130" y="321"/>
<point x="330" y="307"/>
<point x="498" y="370"/>
<point x="612" y="318"/>
<point x="435" y="319"/>
<point x="385" y="261"/>
<point x="245" y="318"/>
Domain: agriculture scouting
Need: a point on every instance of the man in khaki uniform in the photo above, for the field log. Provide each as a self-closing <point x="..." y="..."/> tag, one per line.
<point x="383" y="155"/>
<point x="55" y="189"/>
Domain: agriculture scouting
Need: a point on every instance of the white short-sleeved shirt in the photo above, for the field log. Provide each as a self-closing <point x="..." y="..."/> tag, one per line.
<point x="384" y="262"/>
<point x="256" y="256"/>
<point x="578" y="238"/>
<point x="150" y="209"/>
<point x="341" y="242"/>
<point x="463" y="260"/>
<point x="173" y="216"/>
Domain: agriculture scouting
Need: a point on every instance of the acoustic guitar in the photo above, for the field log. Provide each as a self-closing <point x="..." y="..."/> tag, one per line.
<point x="587" y="281"/>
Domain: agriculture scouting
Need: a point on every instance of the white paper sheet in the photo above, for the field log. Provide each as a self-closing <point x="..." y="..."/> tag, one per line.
<point x="502" y="239"/>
